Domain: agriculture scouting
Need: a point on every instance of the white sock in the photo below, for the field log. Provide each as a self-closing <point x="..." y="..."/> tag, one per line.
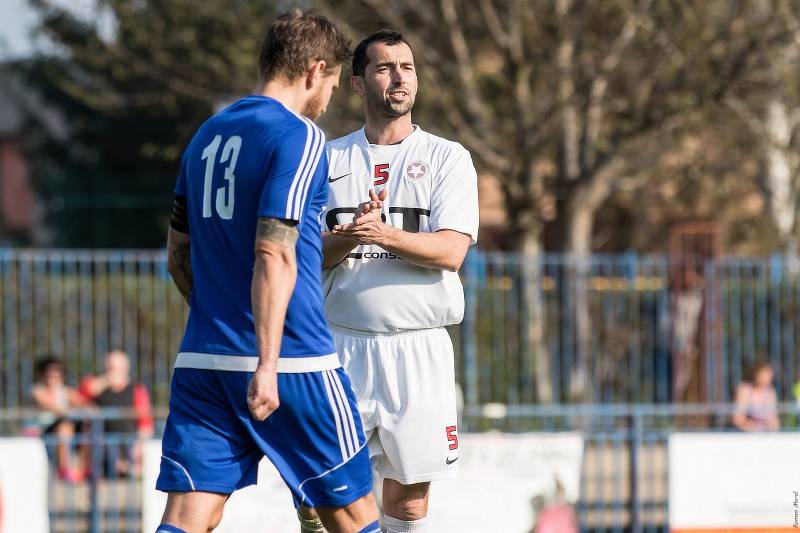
<point x="393" y="525"/>
<point x="310" y="526"/>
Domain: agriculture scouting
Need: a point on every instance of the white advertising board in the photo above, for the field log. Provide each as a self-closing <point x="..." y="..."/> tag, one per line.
<point x="499" y="476"/>
<point x="23" y="486"/>
<point x="741" y="481"/>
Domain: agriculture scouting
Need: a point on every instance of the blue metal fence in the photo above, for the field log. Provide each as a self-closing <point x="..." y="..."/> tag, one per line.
<point x="545" y="329"/>
<point x="623" y="484"/>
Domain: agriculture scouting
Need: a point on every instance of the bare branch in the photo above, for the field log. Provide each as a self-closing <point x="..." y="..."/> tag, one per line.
<point x="566" y="92"/>
<point x="465" y="63"/>
<point x="597" y="93"/>
<point x="493" y="24"/>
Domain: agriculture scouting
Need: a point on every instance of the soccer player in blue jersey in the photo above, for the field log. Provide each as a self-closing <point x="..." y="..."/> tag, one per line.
<point x="257" y="373"/>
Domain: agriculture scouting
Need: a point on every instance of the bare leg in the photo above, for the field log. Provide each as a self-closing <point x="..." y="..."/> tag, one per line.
<point x="194" y="512"/>
<point x="309" y="520"/>
<point x="65" y="431"/>
<point x="350" y="518"/>
<point x="405" y="506"/>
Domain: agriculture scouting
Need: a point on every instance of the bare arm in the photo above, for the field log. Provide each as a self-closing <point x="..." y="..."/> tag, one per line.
<point x="740" y="415"/>
<point x="774" y="420"/>
<point x="76" y="399"/>
<point x="46" y="401"/>
<point x="335" y="247"/>
<point x="443" y="249"/>
<point x="274" y="276"/>
<point x="179" y="261"/>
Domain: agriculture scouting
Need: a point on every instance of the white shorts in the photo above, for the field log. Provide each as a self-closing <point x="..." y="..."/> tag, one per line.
<point x="405" y="386"/>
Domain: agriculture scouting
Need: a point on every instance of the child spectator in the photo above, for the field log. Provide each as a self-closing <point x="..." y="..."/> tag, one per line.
<point x="756" y="401"/>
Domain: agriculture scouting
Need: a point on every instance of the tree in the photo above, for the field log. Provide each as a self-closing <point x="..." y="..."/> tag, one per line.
<point x="770" y="110"/>
<point x="134" y="82"/>
<point x="559" y="98"/>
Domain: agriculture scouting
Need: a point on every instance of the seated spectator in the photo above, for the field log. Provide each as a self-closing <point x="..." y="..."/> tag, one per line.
<point x="756" y="401"/>
<point x="114" y="389"/>
<point x="52" y="395"/>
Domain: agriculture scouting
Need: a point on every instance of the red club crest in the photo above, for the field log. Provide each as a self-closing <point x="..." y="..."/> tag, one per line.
<point x="417" y="170"/>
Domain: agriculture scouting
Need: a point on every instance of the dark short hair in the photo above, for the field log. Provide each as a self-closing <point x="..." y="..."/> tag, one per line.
<point x="45" y="364"/>
<point x="387" y="37"/>
<point x="297" y="38"/>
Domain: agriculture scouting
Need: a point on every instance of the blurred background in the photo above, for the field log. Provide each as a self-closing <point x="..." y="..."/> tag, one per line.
<point x="637" y="275"/>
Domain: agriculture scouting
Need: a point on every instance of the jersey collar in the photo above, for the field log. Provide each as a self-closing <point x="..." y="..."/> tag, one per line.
<point x="362" y="137"/>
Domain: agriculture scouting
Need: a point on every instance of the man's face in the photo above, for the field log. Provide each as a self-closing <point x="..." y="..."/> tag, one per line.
<point x="118" y="368"/>
<point x="390" y="80"/>
<point x="326" y="85"/>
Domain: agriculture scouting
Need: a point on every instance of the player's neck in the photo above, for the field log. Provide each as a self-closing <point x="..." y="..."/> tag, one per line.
<point x="289" y="94"/>
<point x="388" y="131"/>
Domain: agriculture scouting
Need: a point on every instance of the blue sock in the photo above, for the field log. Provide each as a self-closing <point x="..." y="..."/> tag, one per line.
<point x="374" y="527"/>
<point x="166" y="528"/>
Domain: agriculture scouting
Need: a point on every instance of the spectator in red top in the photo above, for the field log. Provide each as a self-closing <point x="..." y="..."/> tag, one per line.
<point x="114" y="389"/>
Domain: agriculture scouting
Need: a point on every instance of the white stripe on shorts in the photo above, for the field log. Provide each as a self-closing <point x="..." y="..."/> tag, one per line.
<point x="248" y="363"/>
<point x="336" y="415"/>
<point x="344" y="410"/>
<point x="347" y="408"/>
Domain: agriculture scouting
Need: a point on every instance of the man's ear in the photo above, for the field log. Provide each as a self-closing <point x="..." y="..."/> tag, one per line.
<point x="315" y="72"/>
<point x="357" y="84"/>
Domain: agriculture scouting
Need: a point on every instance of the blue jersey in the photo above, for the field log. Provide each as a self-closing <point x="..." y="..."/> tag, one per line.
<point x="254" y="159"/>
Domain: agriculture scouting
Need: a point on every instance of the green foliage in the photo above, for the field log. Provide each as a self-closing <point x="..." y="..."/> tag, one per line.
<point x="131" y="102"/>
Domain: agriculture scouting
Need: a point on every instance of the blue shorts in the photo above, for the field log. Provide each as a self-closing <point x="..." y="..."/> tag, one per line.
<point x="314" y="438"/>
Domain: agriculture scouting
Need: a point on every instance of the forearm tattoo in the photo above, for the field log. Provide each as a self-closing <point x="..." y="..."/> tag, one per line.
<point x="278" y="231"/>
<point x="182" y="258"/>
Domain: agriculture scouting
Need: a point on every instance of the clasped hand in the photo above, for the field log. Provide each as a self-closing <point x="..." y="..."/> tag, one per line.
<point x="367" y="226"/>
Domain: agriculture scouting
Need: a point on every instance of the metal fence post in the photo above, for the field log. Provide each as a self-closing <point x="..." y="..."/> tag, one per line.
<point x="96" y="443"/>
<point x="471" y="394"/>
<point x="635" y="457"/>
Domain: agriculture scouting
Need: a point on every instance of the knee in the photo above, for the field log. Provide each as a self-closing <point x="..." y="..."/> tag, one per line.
<point x="65" y="429"/>
<point x="407" y="505"/>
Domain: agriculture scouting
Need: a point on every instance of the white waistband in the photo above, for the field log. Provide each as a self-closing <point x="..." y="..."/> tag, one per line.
<point x="248" y="363"/>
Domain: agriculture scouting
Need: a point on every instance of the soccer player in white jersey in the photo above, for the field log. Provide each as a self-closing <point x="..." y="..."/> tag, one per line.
<point x="402" y="213"/>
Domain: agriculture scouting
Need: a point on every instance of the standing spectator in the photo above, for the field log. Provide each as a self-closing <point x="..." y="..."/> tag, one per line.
<point x="52" y="395"/>
<point x="114" y="389"/>
<point x="756" y="401"/>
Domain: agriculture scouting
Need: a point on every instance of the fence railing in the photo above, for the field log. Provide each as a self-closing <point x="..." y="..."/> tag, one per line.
<point x="623" y="483"/>
<point x="544" y="329"/>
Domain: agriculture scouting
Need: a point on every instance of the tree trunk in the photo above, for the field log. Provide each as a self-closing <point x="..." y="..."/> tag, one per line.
<point x="576" y="223"/>
<point x="781" y="170"/>
<point x="537" y="354"/>
<point x="579" y="225"/>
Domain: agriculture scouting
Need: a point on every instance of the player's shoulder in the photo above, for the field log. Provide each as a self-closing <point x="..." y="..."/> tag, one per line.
<point x="295" y="124"/>
<point x="442" y="148"/>
<point x="343" y="143"/>
<point x="270" y="117"/>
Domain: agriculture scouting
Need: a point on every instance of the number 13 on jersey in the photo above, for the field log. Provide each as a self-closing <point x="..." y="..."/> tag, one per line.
<point x="230" y="152"/>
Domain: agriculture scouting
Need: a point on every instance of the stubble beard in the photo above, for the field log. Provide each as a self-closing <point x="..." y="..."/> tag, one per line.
<point x="383" y="106"/>
<point x="313" y="108"/>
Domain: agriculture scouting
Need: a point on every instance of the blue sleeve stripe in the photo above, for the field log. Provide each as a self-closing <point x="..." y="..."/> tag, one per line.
<point x="299" y="173"/>
<point x="305" y="171"/>
<point x="309" y="178"/>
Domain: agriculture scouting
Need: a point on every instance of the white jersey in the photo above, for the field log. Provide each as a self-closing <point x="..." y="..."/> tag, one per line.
<point x="432" y="185"/>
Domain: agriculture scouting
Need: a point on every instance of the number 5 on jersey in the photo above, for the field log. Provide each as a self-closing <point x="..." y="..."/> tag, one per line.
<point x="230" y="152"/>
<point x="381" y="173"/>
